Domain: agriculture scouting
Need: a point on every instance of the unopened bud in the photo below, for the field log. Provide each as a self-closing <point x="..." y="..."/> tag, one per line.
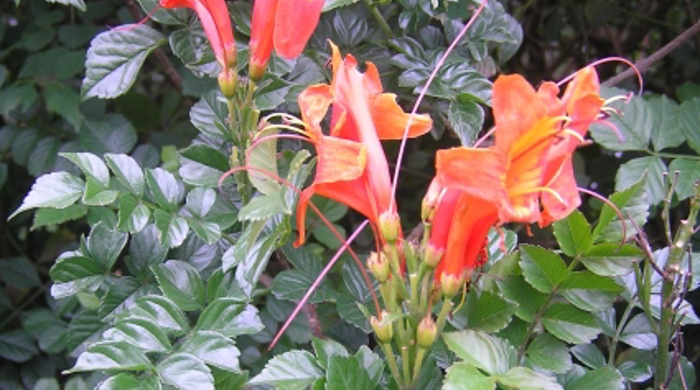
<point x="382" y="329"/>
<point x="256" y="70"/>
<point x="451" y="284"/>
<point x="432" y="256"/>
<point x="389" y="226"/>
<point x="227" y="82"/>
<point x="426" y="332"/>
<point x="379" y="266"/>
<point x="430" y="201"/>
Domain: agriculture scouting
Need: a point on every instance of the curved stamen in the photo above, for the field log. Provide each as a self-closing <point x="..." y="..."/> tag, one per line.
<point x="604" y="61"/>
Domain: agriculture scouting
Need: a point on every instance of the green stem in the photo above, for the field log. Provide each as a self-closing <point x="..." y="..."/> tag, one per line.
<point x="414" y="282"/>
<point x="672" y="155"/>
<point x="442" y="316"/>
<point x="383" y="25"/>
<point x="618" y="332"/>
<point x="667" y="324"/>
<point x="391" y="359"/>
<point x="406" y="364"/>
<point x="418" y="364"/>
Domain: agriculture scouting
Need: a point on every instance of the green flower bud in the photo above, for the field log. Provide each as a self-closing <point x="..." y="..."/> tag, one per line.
<point x="382" y="329"/>
<point x="451" y="284"/>
<point x="389" y="226"/>
<point x="379" y="266"/>
<point x="426" y="332"/>
<point x="433" y="256"/>
<point x="228" y="81"/>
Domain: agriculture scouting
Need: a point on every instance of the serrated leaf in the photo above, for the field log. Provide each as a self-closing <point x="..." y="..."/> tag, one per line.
<point x="200" y="200"/>
<point x="609" y="259"/>
<point x="549" y="353"/>
<point x="43" y="156"/>
<point x="254" y="256"/>
<point x="515" y="288"/>
<point x="573" y="234"/>
<point x="589" y="354"/>
<point x="181" y="283"/>
<point x="165" y="189"/>
<point x="264" y="158"/>
<point x="635" y="371"/>
<point x="209" y="115"/>
<point x="290" y="370"/>
<point x="464" y="376"/>
<point x="114" y="59"/>
<point x="543" y="269"/>
<point x="570" y="324"/>
<point x="326" y="350"/>
<point x="173" y="16"/>
<point x="55" y="190"/>
<point x="466" y="118"/>
<point x="92" y="166"/>
<point x="73" y="273"/>
<point x="142" y="332"/>
<point x="214" y="349"/>
<point x="631" y="203"/>
<point x="639" y="334"/>
<point x="604" y="378"/>
<point x="634" y="122"/>
<point x="128" y="381"/>
<point x="488" y="312"/>
<point x="653" y="168"/>
<point x="347" y="373"/>
<point x="128" y="172"/>
<point x="111" y="355"/>
<point x="590" y="300"/>
<point x="133" y="215"/>
<point x="47" y="217"/>
<point x="206" y="155"/>
<point x="688" y="176"/>
<point x="145" y="251"/>
<point x="589" y="281"/>
<point x="185" y="372"/>
<point x="104" y="245"/>
<point x="79" y="4"/>
<point x="292" y="284"/>
<point x="172" y="229"/>
<point x="523" y="378"/>
<point x="689" y="122"/>
<point x="191" y="46"/>
<point x="163" y="311"/>
<point x="122" y="294"/>
<point x="230" y="317"/>
<point x="19" y="272"/>
<point x="666" y="132"/>
<point x="111" y="133"/>
<point x="483" y="350"/>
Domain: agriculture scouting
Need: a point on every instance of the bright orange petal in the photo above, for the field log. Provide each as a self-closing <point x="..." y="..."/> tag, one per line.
<point x="339" y="160"/>
<point x="478" y="172"/>
<point x="516" y="108"/>
<point x="261" y="30"/>
<point x="391" y="120"/>
<point x="584" y="83"/>
<point x="314" y="102"/>
<point x="295" y="21"/>
<point x="563" y="183"/>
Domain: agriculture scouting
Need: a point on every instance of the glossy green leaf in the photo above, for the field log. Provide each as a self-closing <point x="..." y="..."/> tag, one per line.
<point x="688" y="176"/>
<point x="264" y="158"/>
<point x="55" y="190"/>
<point x="290" y="370"/>
<point x="466" y="118"/>
<point x="79" y="4"/>
<point x="213" y="348"/>
<point x="105" y="245"/>
<point x="347" y="373"/>
<point x="17" y="346"/>
<point x="114" y="59"/>
<point x="43" y="156"/>
<point x="199" y="201"/>
<point x="483" y="350"/>
<point x="515" y="288"/>
<point x="111" y="133"/>
<point x="635" y="371"/>
<point x="173" y="16"/>
<point x="372" y="363"/>
<point x="209" y="116"/>
<point x="128" y="172"/>
<point x="181" y="283"/>
<point x="163" y="311"/>
<point x="604" y="378"/>
<point x="111" y="355"/>
<point x="184" y="372"/>
<point x="586" y="280"/>
<point x="464" y="376"/>
<point x="142" y="332"/>
<point x="570" y="324"/>
<point x="206" y="155"/>
<point x="589" y="354"/>
<point x="48" y="217"/>
<point x="611" y="259"/>
<point x="543" y="269"/>
<point x="133" y="215"/>
<point x="666" y="132"/>
<point x="19" y="272"/>
<point x="549" y="353"/>
<point x="122" y="294"/>
<point x="573" y="234"/>
<point x="190" y="45"/>
<point x="488" y="312"/>
<point x="145" y="251"/>
<point x="631" y="202"/>
<point x="525" y="379"/>
<point x="128" y="381"/>
<point x="172" y="229"/>
<point x="293" y="284"/>
<point x="639" y="334"/>
<point x="325" y="350"/>
<point x="230" y="317"/>
<point x="590" y="300"/>
<point x="254" y="258"/>
<point x="653" y="168"/>
<point x="634" y="123"/>
<point x="689" y="122"/>
<point x="92" y="166"/>
<point x="165" y="189"/>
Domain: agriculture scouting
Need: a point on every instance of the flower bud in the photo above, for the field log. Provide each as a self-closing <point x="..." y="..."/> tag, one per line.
<point x="227" y="82"/>
<point x="426" y="332"/>
<point x="430" y="201"/>
<point x="379" y="266"/>
<point x="451" y="284"/>
<point x="390" y="226"/>
<point x="382" y="329"/>
<point x="432" y="255"/>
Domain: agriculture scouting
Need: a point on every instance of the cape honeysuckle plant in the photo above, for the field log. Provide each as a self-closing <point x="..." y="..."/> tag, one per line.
<point x="226" y="262"/>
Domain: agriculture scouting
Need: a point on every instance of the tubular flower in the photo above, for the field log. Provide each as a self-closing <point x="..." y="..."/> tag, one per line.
<point x="352" y="167"/>
<point x="528" y="171"/>
<point x="216" y="22"/>
<point x="285" y="25"/>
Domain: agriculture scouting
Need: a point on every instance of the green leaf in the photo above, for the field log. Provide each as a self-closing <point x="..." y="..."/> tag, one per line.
<point x="214" y="349"/>
<point x="689" y="122"/>
<point x="74" y="273"/>
<point x="162" y="15"/>
<point x="633" y="120"/>
<point x="290" y="370"/>
<point x="17" y="96"/>
<point x="254" y="256"/>
<point x="264" y="158"/>
<point x="114" y="59"/>
<point x="639" y="334"/>
<point x="589" y="281"/>
<point x="543" y="269"/>
<point x="570" y="324"/>
<point x="111" y="133"/>
<point x="122" y="294"/>
<point x="326" y="350"/>
<point x="172" y="229"/>
<point x="163" y="311"/>
<point x="666" y="132"/>
<point x="165" y="189"/>
<point x="635" y="371"/>
<point x="523" y="378"/>
<point x="630" y="172"/>
<point x="48" y="217"/>
<point x="230" y="317"/>
<point x="128" y="172"/>
<point x="604" y="378"/>
<point x="200" y="201"/>
<point x="104" y="245"/>
<point x="611" y="259"/>
<point x="19" y="272"/>
<point x="466" y="118"/>
<point x="293" y="284"/>
<point x="142" y="332"/>
<point x="79" y="4"/>
<point x="133" y="215"/>
<point x="65" y="102"/>
<point x="189" y="44"/>
<point x="573" y="234"/>
<point x="528" y="299"/>
<point x="17" y="346"/>
<point x="631" y="202"/>
<point x="111" y="355"/>
<point x="206" y="155"/>
<point x="347" y="373"/>
<point x="590" y="300"/>
<point x="181" y="283"/>
<point x="688" y="176"/>
<point x="488" y="312"/>
<point x="589" y="354"/>
<point x="464" y="376"/>
<point x="145" y="251"/>
<point x="55" y="190"/>
<point x="483" y="350"/>
<point x="125" y="380"/>
<point x="209" y="115"/>
<point x="549" y="353"/>
<point x="184" y="372"/>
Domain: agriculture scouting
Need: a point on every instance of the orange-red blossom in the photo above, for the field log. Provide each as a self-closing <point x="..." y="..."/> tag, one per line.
<point x="285" y="25"/>
<point x="527" y="176"/>
<point x="352" y="168"/>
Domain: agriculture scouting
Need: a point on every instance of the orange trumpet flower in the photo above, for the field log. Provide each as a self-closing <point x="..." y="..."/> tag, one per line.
<point x="285" y="24"/>
<point x="352" y="167"/>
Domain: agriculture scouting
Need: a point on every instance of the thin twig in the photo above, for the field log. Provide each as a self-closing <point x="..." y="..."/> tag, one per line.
<point x="645" y="63"/>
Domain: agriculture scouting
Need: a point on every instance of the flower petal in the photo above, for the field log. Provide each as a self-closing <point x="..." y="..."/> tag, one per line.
<point x="516" y="108"/>
<point x="295" y="21"/>
<point x="391" y="120"/>
<point x="478" y="172"/>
